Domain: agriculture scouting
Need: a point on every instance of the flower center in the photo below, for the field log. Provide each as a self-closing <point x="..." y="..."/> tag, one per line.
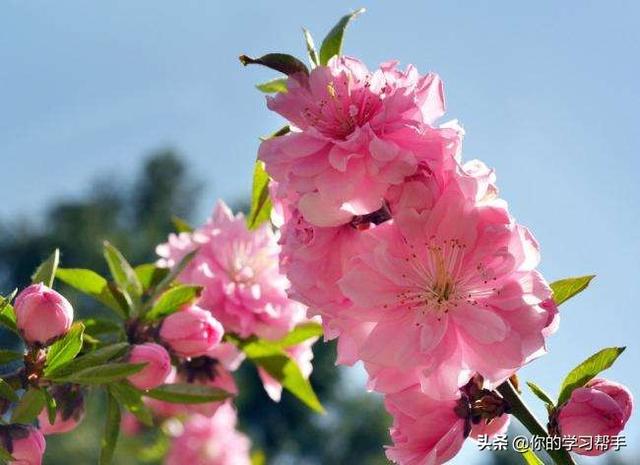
<point x="348" y="104"/>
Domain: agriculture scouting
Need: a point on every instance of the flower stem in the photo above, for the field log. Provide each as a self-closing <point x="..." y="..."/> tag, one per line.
<point x="529" y="421"/>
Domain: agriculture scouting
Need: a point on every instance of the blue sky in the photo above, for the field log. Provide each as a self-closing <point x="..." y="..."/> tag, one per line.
<point x="547" y="91"/>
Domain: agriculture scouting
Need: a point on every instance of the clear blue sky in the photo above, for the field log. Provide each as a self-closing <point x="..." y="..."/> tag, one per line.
<point x="548" y="93"/>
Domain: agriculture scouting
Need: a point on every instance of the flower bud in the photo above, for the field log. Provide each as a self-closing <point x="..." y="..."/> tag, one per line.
<point x="158" y="365"/>
<point x="191" y="332"/>
<point x="42" y="314"/>
<point x="617" y="392"/>
<point x="592" y="411"/>
<point x="70" y="410"/>
<point x="26" y="445"/>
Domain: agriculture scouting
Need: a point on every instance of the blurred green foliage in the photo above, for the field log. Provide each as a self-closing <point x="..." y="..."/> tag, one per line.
<point x="135" y="215"/>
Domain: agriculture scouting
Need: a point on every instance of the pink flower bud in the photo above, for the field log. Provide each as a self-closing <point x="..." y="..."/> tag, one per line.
<point x="191" y="332"/>
<point x="617" y="392"/>
<point x="70" y="410"/>
<point x="157" y="369"/>
<point x="27" y="446"/>
<point x="42" y="314"/>
<point x="60" y="425"/>
<point x="592" y="411"/>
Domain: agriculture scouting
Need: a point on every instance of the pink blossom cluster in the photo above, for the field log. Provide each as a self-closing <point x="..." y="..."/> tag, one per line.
<point x="243" y="293"/>
<point x="408" y="254"/>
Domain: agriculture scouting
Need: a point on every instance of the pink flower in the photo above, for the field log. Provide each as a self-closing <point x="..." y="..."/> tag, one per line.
<point x="302" y="355"/>
<point x="356" y="133"/>
<point x="458" y="282"/>
<point x="158" y="365"/>
<point x="42" y="314"/>
<point x="432" y="431"/>
<point x="239" y="270"/>
<point x="60" y="425"/>
<point x="600" y="408"/>
<point x="130" y="425"/>
<point x="191" y="332"/>
<point x="210" y="441"/>
<point x="27" y="446"/>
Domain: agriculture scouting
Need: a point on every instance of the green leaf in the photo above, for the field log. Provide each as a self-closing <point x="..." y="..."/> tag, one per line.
<point x="300" y="333"/>
<point x="260" y="201"/>
<point x="92" y="284"/>
<point x="540" y="393"/>
<point x="131" y="399"/>
<point x="102" y="374"/>
<point x="5" y="455"/>
<point x="172" y="301"/>
<point x="588" y="370"/>
<point x="280" y="132"/>
<point x="65" y="349"/>
<point x="46" y="272"/>
<point x="96" y="327"/>
<point x="275" y="361"/>
<point x="7" y="392"/>
<point x="173" y="274"/>
<point x="28" y="407"/>
<point x="273" y="86"/>
<point x="150" y="275"/>
<point x="564" y="289"/>
<point x="180" y="225"/>
<point x="111" y="431"/>
<point x="332" y="44"/>
<point x="7" y="356"/>
<point x="51" y="405"/>
<point x="7" y="314"/>
<point x="530" y="458"/>
<point x="187" y="393"/>
<point x="122" y="272"/>
<point x="311" y="48"/>
<point x="95" y="358"/>
<point x="282" y="62"/>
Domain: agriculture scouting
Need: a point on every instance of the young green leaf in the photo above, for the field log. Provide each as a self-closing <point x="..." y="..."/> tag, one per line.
<point x="7" y="314"/>
<point x="91" y="359"/>
<point x="588" y="370"/>
<point x="530" y="458"/>
<point x="122" y="272"/>
<point x="172" y="301"/>
<point x="332" y="44"/>
<point x="564" y="289"/>
<point x="311" y="48"/>
<point x="282" y="62"/>
<point x="258" y="458"/>
<point x="51" y="405"/>
<point x="111" y="431"/>
<point x="102" y="374"/>
<point x="7" y="356"/>
<point x="299" y="334"/>
<point x="181" y="225"/>
<point x="28" y="407"/>
<point x="65" y="349"/>
<point x="92" y="284"/>
<point x="97" y="327"/>
<point x="173" y="274"/>
<point x="540" y="393"/>
<point x="275" y="361"/>
<point x="274" y="86"/>
<point x="260" y="201"/>
<point x="150" y="275"/>
<point x="131" y="399"/>
<point x="46" y="272"/>
<point x="187" y="393"/>
<point x="7" y="392"/>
